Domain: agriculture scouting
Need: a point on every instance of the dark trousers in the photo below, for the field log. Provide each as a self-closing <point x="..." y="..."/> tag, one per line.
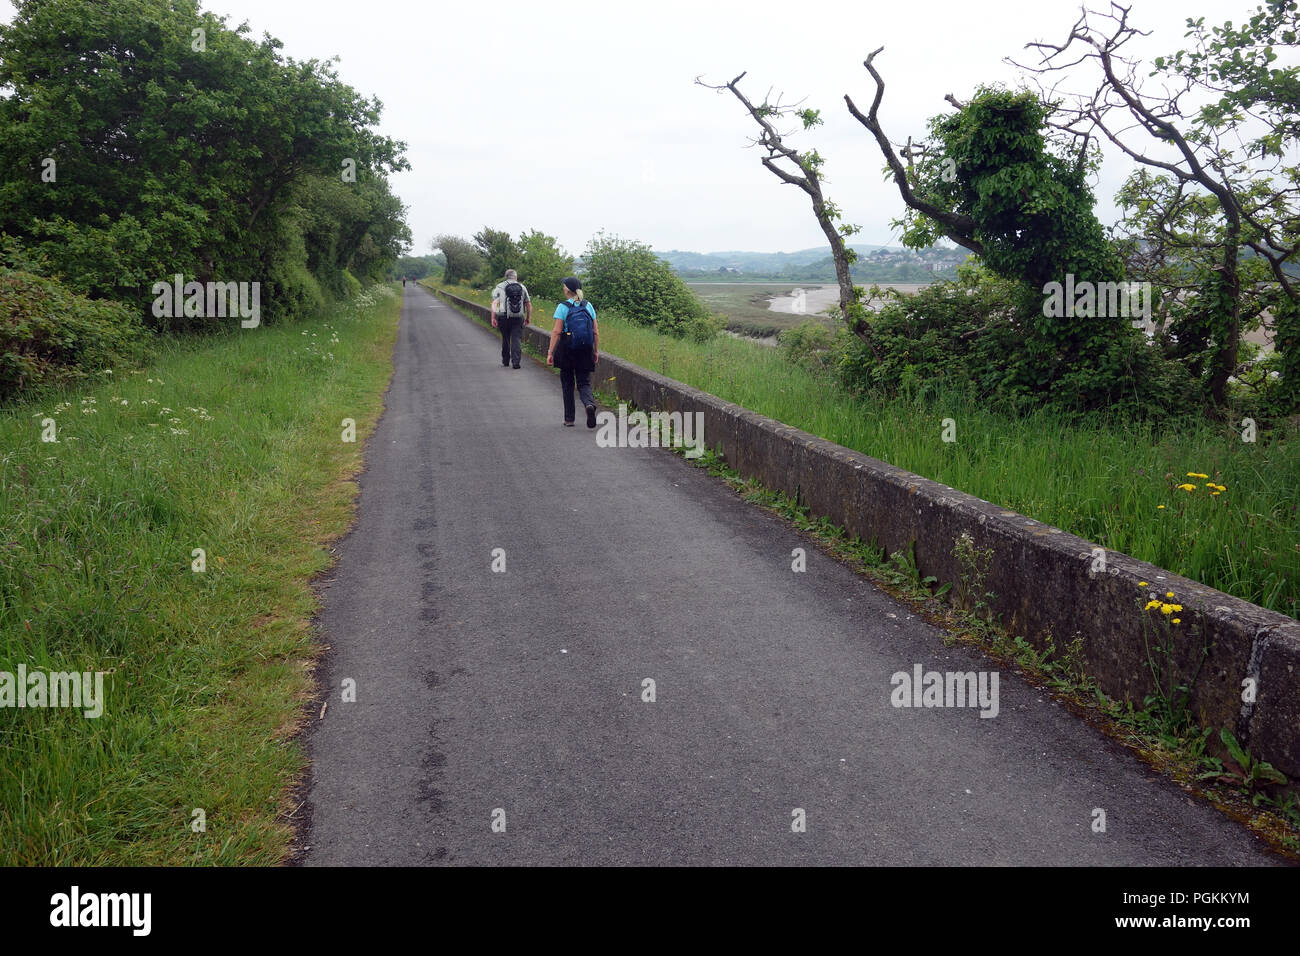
<point x="583" y="377"/>
<point x="512" y="333"/>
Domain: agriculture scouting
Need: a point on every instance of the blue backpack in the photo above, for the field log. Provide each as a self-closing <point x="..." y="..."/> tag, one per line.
<point x="580" y="323"/>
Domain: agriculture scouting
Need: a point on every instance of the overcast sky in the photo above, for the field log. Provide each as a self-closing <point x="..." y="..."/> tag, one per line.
<point x="575" y="117"/>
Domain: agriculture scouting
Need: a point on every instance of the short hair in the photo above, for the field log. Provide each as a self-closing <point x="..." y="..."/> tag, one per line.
<point x="512" y="274"/>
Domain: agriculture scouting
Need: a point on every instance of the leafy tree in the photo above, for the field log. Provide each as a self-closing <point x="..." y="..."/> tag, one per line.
<point x="1174" y="237"/>
<point x="352" y="229"/>
<point x="1214" y="177"/>
<point x="543" y="265"/>
<point x="416" y="267"/>
<point x="499" y="253"/>
<point x="144" y="138"/>
<point x="628" y="277"/>
<point x="464" y="261"/>
<point x="1239" y="65"/>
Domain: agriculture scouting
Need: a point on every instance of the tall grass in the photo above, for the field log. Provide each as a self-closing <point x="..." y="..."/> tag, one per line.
<point x="231" y="444"/>
<point x="1105" y="480"/>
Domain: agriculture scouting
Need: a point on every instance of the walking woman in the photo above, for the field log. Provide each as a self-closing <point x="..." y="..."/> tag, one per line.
<point x="575" y="348"/>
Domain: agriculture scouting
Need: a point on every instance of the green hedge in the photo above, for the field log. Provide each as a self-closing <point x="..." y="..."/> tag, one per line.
<point x="50" y="336"/>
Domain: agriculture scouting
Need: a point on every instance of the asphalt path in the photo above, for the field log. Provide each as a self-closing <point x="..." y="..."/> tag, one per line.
<point x="501" y="718"/>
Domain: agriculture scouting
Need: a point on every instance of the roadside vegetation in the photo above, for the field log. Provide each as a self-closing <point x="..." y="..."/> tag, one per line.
<point x="1206" y="248"/>
<point x="171" y="472"/>
<point x="231" y="444"/>
<point x="189" y="150"/>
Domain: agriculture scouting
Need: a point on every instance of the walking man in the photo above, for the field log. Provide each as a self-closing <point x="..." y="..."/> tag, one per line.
<point x="512" y="308"/>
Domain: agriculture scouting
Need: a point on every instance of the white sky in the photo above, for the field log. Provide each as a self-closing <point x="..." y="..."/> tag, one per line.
<point x="578" y="116"/>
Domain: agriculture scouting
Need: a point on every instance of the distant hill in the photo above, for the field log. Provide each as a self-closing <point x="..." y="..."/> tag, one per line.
<point x="1290" y="268"/>
<point x="875" y="264"/>
<point x="749" y="261"/>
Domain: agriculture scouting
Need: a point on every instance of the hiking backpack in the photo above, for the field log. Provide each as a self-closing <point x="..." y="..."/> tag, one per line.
<point x="579" y="325"/>
<point x="514" y="299"/>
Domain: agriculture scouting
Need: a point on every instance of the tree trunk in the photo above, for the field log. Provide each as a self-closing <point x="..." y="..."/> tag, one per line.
<point x="1225" y="357"/>
<point x="842" y="274"/>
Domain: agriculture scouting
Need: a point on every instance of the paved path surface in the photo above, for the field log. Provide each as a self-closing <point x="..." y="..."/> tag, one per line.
<point x="522" y="691"/>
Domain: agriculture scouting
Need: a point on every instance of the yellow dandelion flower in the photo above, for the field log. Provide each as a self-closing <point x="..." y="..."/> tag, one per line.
<point x="1166" y="609"/>
<point x="1169" y="594"/>
<point x="1142" y="584"/>
<point x="1186" y="487"/>
<point x="1176" y="607"/>
<point x="1196" y="474"/>
<point x="1160" y="507"/>
<point x="1151" y="604"/>
<point x="1177" y="620"/>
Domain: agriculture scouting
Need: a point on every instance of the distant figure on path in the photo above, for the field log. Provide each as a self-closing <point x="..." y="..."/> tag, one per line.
<point x="512" y="308"/>
<point x="575" y="348"/>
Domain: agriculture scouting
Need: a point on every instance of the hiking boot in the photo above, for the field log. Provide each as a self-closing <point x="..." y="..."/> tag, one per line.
<point x="516" y="366"/>
<point x="591" y="416"/>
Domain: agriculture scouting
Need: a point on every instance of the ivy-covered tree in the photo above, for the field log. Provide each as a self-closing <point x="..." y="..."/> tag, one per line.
<point x="991" y="178"/>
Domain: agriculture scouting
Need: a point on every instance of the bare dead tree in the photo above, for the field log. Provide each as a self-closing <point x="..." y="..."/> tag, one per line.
<point x="802" y="170"/>
<point x="956" y="226"/>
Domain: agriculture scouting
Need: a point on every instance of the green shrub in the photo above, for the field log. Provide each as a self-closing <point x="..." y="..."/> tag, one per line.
<point x="296" y="292"/>
<point x="808" y="344"/>
<point x="627" y="276"/>
<point x="178" y="160"/>
<point x="50" y="336"/>
<point x="543" y="265"/>
<point x="973" y="337"/>
<point x="462" y="258"/>
<point x="352" y="285"/>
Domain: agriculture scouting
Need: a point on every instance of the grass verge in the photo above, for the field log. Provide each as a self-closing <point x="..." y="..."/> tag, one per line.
<point x="233" y="444"/>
